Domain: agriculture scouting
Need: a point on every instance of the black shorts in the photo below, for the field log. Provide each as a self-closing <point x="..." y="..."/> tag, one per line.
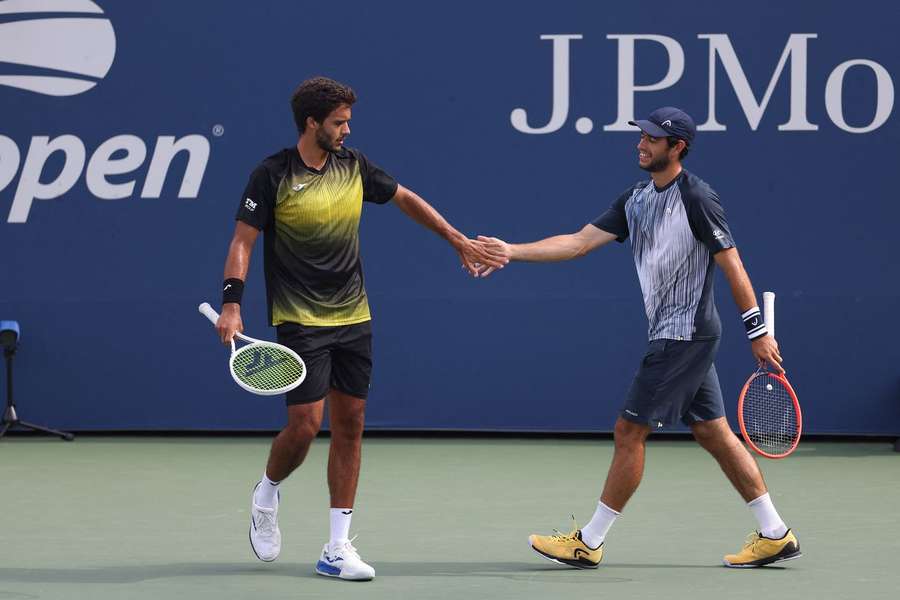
<point x="676" y="381"/>
<point x="336" y="357"/>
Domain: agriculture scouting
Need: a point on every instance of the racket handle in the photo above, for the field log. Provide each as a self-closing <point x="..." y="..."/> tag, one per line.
<point x="769" y="311"/>
<point x="209" y="312"/>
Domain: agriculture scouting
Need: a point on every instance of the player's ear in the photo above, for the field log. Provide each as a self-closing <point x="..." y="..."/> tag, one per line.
<point x="311" y="123"/>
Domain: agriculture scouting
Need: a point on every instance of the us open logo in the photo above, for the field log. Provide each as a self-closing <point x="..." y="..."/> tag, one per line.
<point x="69" y="54"/>
<point x="64" y="48"/>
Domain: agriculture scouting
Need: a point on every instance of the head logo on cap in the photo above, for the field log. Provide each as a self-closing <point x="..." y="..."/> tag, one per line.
<point x="668" y="121"/>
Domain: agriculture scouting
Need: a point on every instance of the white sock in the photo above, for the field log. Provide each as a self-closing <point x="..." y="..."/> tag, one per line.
<point x="770" y="524"/>
<point x="340" y="525"/>
<point x="266" y="492"/>
<point x="595" y="531"/>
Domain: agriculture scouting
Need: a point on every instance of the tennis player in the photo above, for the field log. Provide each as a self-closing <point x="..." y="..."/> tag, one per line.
<point x="678" y="234"/>
<point x="308" y="199"/>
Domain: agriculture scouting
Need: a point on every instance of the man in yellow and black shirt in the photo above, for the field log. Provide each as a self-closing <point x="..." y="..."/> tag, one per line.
<point x="307" y="200"/>
<point x="311" y="220"/>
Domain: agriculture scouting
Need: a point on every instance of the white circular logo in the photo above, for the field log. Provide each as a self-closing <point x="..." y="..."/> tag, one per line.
<point x="81" y="47"/>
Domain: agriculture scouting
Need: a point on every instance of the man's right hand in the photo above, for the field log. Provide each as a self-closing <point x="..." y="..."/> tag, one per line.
<point x="229" y="322"/>
<point x="497" y="248"/>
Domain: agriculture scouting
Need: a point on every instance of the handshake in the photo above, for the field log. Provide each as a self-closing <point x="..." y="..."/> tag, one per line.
<point x="484" y="255"/>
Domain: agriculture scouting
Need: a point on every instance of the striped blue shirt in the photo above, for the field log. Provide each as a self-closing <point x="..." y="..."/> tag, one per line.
<point x="674" y="231"/>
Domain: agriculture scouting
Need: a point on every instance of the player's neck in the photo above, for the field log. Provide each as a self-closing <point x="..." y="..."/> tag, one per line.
<point x="663" y="178"/>
<point x="311" y="153"/>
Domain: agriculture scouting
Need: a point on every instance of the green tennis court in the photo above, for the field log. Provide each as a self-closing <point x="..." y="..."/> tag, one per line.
<point x="166" y="517"/>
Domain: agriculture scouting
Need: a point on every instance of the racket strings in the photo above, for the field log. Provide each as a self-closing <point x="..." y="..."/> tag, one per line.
<point x="265" y="367"/>
<point x="770" y="417"/>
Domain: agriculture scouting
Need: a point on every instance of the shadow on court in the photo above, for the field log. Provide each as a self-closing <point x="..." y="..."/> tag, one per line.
<point x="513" y="570"/>
<point x="843" y="450"/>
<point x="133" y="574"/>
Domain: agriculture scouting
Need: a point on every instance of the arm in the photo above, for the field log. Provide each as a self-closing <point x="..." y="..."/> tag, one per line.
<point x="236" y="267"/>
<point x="562" y="247"/>
<point x="765" y="348"/>
<point x="471" y="253"/>
<point x="551" y="249"/>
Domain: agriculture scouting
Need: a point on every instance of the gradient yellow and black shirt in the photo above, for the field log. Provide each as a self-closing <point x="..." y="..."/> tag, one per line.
<point x="310" y="221"/>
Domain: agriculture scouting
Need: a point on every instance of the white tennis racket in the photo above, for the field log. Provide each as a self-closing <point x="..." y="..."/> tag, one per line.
<point x="261" y="367"/>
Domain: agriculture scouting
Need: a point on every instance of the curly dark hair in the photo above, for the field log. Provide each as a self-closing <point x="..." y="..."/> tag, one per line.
<point x="317" y="97"/>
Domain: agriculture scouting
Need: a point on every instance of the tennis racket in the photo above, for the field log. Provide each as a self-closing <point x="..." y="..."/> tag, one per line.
<point x="261" y="367"/>
<point x="768" y="409"/>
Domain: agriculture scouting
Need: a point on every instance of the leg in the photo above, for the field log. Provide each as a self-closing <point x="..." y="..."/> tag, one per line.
<point x="291" y="445"/>
<point x="584" y="548"/>
<point x="630" y="434"/>
<point x="649" y="399"/>
<point x="350" y="377"/>
<point x="288" y="451"/>
<point x="739" y="466"/>
<point x="347" y="418"/>
<point x="711" y="430"/>
<point x="627" y="466"/>
<point x="339" y="558"/>
<point x="306" y="403"/>
<point x="774" y="542"/>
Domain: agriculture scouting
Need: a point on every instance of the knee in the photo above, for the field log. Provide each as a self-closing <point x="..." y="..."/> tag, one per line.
<point x="713" y="437"/>
<point x="629" y="435"/>
<point x="349" y="425"/>
<point x="303" y="430"/>
<point x="704" y="437"/>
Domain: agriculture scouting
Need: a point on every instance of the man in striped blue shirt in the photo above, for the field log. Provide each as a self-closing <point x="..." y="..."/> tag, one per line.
<point x="678" y="234"/>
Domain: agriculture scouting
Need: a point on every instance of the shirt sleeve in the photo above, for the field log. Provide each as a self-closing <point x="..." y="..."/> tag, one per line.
<point x="258" y="202"/>
<point x="707" y="218"/>
<point x="378" y="186"/>
<point x="614" y="220"/>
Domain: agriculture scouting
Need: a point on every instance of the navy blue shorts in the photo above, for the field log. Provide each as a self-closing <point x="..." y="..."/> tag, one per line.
<point x="677" y="381"/>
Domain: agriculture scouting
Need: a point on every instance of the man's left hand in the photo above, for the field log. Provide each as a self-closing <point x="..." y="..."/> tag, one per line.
<point x="765" y="350"/>
<point x="475" y="254"/>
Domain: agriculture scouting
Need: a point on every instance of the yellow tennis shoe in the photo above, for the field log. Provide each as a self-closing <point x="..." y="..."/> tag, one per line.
<point x="567" y="549"/>
<point x="759" y="550"/>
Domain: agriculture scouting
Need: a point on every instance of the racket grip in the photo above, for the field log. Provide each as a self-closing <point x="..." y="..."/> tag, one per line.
<point x="209" y="312"/>
<point x="769" y="311"/>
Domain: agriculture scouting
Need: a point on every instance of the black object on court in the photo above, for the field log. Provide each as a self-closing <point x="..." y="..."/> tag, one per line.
<point x="9" y="339"/>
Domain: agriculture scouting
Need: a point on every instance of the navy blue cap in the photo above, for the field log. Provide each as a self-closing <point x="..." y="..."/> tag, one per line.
<point x="668" y="121"/>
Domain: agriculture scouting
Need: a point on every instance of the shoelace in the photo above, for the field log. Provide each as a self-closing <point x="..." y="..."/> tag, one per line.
<point x="347" y="548"/>
<point x="751" y="541"/>
<point x="559" y="536"/>
<point x="266" y="523"/>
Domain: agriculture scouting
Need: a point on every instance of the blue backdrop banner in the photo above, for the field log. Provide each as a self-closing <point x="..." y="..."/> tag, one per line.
<point x="129" y="131"/>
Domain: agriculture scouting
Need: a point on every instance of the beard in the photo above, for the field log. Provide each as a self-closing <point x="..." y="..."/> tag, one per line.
<point x="660" y="163"/>
<point x="326" y="143"/>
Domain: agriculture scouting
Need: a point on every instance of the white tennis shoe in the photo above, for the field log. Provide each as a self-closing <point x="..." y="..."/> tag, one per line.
<point x="342" y="560"/>
<point x="265" y="537"/>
